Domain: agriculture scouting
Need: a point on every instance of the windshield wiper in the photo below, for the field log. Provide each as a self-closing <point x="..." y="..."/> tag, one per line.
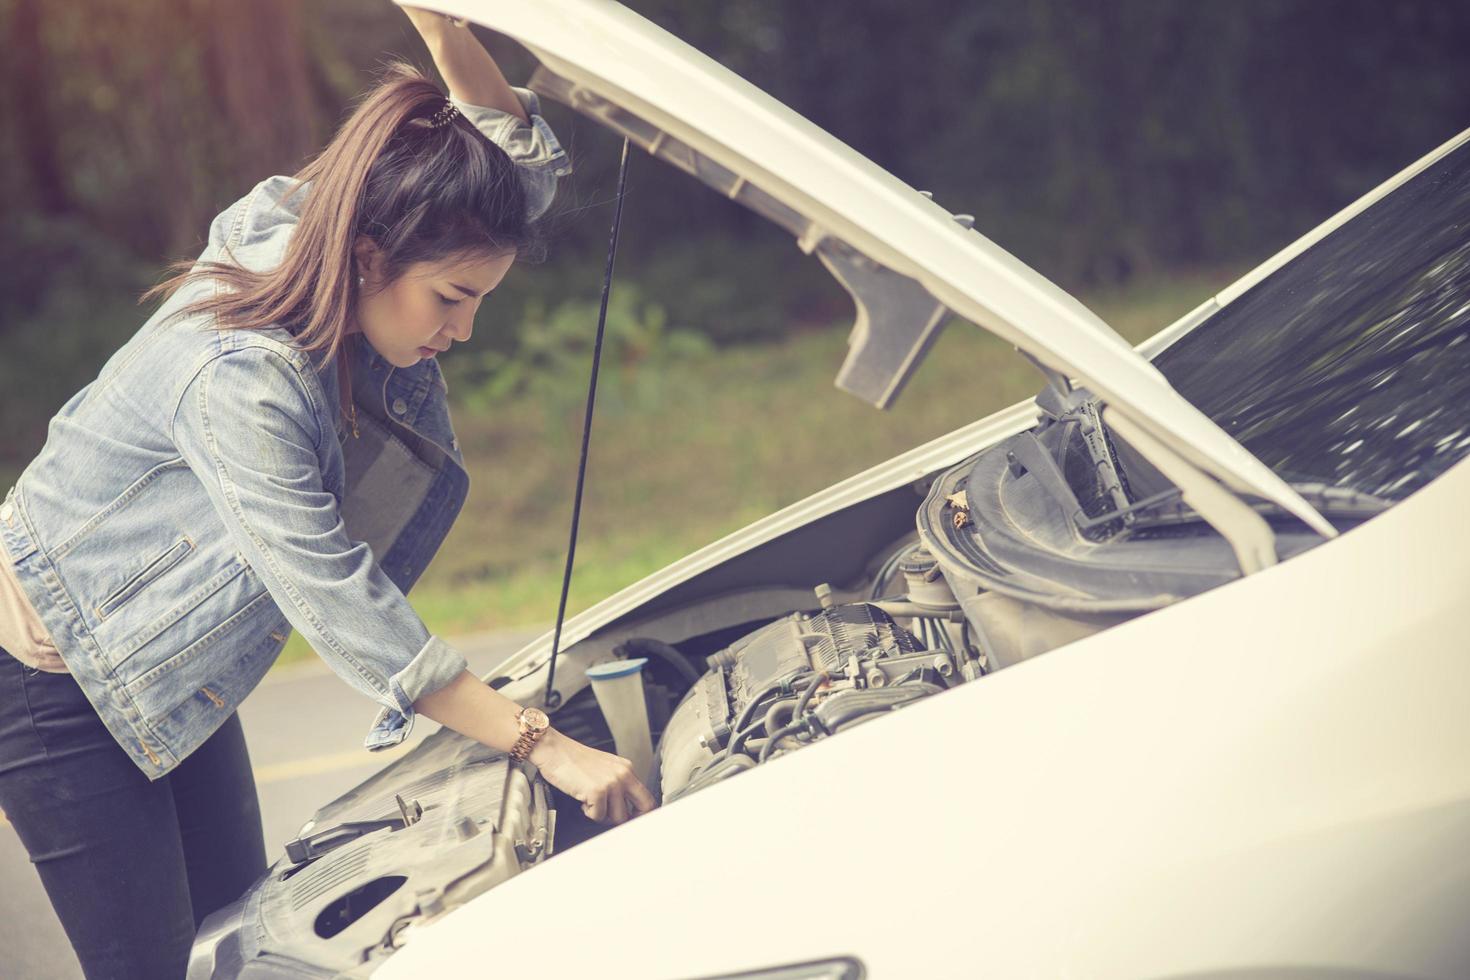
<point x="1129" y="514"/>
<point x="1342" y="500"/>
<point x="1062" y="403"/>
<point x="1025" y="454"/>
<point x="1327" y="499"/>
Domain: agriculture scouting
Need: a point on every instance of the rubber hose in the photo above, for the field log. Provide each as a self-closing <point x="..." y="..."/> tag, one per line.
<point x="667" y="652"/>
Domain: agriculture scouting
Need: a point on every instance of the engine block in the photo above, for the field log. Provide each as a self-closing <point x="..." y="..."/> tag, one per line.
<point x="857" y="645"/>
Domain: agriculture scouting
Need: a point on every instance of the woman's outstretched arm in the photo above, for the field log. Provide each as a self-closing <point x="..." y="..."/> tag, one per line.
<point x="605" y="784"/>
<point x="469" y="71"/>
<point x="602" y="782"/>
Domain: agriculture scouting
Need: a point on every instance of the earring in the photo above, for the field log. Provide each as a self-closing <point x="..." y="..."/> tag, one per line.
<point x="361" y="280"/>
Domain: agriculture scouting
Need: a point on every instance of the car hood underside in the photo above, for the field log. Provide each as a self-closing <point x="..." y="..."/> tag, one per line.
<point x="907" y="262"/>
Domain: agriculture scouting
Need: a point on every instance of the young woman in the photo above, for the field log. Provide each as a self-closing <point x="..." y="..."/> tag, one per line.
<point x="272" y="450"/>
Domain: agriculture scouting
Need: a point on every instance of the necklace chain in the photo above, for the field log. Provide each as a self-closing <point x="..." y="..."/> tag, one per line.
<point x="344" y="376"/>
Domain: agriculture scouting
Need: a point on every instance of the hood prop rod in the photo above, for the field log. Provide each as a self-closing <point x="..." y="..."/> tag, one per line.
<point x="553" y="699"/>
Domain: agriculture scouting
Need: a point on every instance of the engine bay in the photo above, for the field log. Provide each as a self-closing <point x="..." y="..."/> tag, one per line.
<point x="809" y="675"/>
<point x="832" y="623"/>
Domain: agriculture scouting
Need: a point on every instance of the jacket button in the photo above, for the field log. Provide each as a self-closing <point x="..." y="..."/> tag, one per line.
<point x="399" y="406"/>
<point x="5" y="512"/>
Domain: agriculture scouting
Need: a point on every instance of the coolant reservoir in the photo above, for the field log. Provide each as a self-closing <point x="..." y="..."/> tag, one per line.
<point x="618" y="686"/>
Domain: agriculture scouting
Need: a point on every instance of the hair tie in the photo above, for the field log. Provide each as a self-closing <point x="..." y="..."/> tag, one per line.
<point x="444" y="116"/>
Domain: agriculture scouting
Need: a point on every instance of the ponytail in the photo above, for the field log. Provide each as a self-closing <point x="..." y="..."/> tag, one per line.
<point x="421" y="192"/>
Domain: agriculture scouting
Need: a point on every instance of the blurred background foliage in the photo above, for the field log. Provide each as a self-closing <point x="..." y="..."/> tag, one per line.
<point x="1098" y="141"/>
<point x="1116" y="146"/>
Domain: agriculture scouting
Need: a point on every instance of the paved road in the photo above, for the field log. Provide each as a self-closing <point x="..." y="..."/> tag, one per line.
<point x="304" y="728"/>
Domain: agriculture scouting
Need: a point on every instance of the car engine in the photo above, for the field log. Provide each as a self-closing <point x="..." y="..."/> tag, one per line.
<point x="811" y="674"/>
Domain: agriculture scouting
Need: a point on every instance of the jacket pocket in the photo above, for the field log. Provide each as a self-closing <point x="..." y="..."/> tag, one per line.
<point x="139" y="582"/>
<point x="247" y="613"/>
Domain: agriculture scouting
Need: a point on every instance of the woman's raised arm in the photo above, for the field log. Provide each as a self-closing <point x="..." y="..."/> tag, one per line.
<point x="467" y="68"/>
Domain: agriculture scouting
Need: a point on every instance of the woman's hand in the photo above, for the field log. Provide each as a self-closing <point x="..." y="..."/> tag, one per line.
<point x="604" y="783"/>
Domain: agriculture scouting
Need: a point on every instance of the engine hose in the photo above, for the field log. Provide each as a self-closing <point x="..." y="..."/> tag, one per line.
<point x="807" y="693"/>
<point x="886" y="572"/>
<point x="862" y="704"/>
<point x="742" y="728"/>
<point x="737" y="741"/>
<point x="773" y="719"/>
<point x="938" y="635"/>
<point x="641" y="646"/>
<point x="779" y="734"/>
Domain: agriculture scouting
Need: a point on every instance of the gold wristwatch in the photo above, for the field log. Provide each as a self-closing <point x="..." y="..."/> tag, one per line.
<point x="534" y="723"/>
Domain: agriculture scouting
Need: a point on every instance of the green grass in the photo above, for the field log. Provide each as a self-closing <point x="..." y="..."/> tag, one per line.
<point x="700" y="450"/>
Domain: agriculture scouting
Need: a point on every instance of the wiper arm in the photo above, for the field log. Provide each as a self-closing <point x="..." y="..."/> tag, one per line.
<point x="1130" y="515"/>
<point x="1026" y="454"/>
<point x="1327" y="499"/>
<point x="1104" y="465"/>
<point x="1342" y="500"/>
<point x="1247" y="532"/>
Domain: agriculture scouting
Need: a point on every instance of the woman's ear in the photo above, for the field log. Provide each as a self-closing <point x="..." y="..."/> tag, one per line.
<point x="369" y="259"/>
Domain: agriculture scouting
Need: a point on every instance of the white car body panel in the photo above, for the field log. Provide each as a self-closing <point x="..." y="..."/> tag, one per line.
<point x="1268" y="775"/>
<point x="613" y="54"/>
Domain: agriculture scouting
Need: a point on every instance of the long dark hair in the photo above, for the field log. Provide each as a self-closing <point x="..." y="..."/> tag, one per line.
<point x="421" y="193"/>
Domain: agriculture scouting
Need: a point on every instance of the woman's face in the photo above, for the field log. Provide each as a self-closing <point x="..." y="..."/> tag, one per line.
<point x="426" y="309"/>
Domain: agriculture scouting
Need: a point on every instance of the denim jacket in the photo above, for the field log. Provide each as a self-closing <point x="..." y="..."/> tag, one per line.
<point x="200" y="497"/>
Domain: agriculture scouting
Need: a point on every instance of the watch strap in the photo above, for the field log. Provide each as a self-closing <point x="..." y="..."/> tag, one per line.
<point x="521" y="750"/>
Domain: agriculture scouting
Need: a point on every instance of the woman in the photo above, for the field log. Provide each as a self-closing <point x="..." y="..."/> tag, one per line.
<point x="272" y="448"/>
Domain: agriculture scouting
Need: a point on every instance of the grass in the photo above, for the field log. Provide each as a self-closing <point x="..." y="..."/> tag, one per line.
<point x="687" y="456"/>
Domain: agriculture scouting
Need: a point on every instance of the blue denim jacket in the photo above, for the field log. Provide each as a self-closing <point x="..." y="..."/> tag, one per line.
<point x="200" y="496"/>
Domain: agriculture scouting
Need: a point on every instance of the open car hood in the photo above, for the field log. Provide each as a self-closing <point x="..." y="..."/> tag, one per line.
<point x="907" y="261"/>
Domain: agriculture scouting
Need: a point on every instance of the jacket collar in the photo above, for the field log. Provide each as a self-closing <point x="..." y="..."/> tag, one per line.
<point x="416" y="396"/>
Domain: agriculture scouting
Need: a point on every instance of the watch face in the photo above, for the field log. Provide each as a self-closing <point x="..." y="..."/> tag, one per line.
<point x="535" y="719"/>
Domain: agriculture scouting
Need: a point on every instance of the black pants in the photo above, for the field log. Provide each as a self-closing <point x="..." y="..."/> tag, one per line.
<point x="131" y="866"/>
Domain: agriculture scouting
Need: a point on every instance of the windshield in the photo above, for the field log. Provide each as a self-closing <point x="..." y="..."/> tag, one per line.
<point x="1350" y="366"/>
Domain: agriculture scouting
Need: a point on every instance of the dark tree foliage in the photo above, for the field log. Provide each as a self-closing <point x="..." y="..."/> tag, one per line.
<point x="1097" y="141"/>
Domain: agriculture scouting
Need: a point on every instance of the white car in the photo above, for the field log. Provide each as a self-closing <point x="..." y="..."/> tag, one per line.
<point x="1180" y="644"/>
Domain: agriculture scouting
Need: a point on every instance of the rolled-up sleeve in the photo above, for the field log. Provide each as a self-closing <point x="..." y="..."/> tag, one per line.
<point x="532" y="147"/>
<point x="247" y="427"/>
